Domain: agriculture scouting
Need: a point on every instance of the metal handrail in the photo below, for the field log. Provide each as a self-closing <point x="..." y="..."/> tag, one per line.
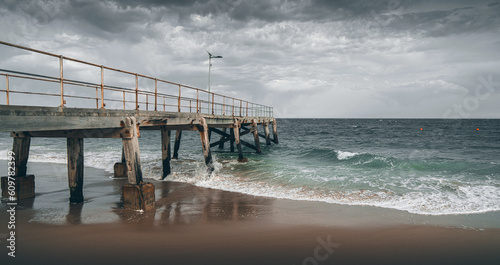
<point x="226" y="106"/>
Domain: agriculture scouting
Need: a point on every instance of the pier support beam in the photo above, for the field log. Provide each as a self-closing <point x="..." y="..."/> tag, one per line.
<point x="266" y="133"/>
<point x="75" y="169"/>
<point x="205" y="143"/>
<point x="120" y="169"/>
<point x="231" y="141"/>
<point x="24" y="185"/>
<point x="236" y="131"/>
<point x="21" y="149"/>
<point x="221" y="141"/>
<point x="137" y="195"/>
<point x="178" y="135"/>
<point x="131" y="150"/>
<point x="165" y="151"/>
<point x="256" y="136"/>
<point x="275" y="131"/>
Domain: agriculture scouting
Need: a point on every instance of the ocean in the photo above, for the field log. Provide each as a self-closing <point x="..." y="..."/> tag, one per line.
<point x="421" y="166"/>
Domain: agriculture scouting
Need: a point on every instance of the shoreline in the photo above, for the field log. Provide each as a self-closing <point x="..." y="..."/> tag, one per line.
<point x="195" y="225"/>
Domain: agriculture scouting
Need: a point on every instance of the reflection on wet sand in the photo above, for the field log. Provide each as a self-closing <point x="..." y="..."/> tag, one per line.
<point x="74" y="215"/>
<point x="182" y="204"/>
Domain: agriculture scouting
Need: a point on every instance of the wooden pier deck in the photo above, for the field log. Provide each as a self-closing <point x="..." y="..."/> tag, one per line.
<point x="84" y="109"/>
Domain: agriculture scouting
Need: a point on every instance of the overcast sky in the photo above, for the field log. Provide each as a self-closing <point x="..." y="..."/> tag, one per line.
<point x="305" y="58"/>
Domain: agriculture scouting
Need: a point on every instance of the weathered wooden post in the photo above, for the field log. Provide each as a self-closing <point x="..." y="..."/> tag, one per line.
<point x="24" y="184"/>
<point x="275" y="131"/>
<point x="178" y="135"/>
<point x="256" y="136"/>
<point x="231" y="141"/>
<point x="131" y="150"/>
<point x="221" y="142"/>
<point x="236" y="130"/>
<point x="137" y="195"/>
<point x="75" y="169"/>
<point x="165" y="151"/>
<point x="120" y="169"/>
<point x="205" y="143"/>
<point x="266" y="132"/>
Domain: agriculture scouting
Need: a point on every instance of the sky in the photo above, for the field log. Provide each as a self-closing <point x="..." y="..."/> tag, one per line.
<point x="305" y="58"/>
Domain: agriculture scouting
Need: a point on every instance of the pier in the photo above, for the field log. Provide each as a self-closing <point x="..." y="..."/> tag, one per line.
<point x="113" y="103"/>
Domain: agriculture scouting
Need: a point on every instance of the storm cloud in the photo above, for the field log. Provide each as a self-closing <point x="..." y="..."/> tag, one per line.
<point x="306" y="58"/>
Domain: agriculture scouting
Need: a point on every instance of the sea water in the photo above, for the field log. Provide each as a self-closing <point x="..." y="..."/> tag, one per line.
<point x="425" y="167"/>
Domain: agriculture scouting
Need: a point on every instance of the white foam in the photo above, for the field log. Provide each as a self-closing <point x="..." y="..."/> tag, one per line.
<point x="425" y="195"/>
<point x="470" y="199"/>
<point x="342" y="155"/>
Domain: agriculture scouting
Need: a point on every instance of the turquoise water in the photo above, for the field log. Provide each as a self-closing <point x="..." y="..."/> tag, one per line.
<point x="429" y="167"/>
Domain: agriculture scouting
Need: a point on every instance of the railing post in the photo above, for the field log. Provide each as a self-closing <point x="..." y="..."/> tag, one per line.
<point x="96" y="97"/>
<point x="124" y="100"/>
<point x="179" y="100"/>
<point x="163" y="103"/>
<point x="102" y="89"/>
<point x="197" y="101"/>
<point x="241" y="102"/>
<point x="247" y="109"/>
<point x="136" y="92"/>
<point x="61" y="58"/>
<point x="147" y="102"/>
<point x="223" y="105"/>
<point x="233" y="107"/>
<point x="213" y="99"/>
<point x="7" y="90"/>
<point x="156" y="94"/>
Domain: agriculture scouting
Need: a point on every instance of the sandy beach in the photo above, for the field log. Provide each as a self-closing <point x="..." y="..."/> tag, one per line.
<point x="193" y="225"/>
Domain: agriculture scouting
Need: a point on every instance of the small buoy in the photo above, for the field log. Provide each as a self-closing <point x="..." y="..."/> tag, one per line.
<point x="477" y="129"/>
<point x="421" y="129"/>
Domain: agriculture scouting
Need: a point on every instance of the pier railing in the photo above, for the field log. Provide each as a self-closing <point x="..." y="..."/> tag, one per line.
<point x="80" y="83"/>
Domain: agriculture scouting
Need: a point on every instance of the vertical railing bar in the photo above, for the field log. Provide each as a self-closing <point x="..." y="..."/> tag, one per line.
<point x="147" y="103"/>
<point x="123" y="100"/>
<point x="223" y="105"/>
<point x="197" y="101"/>
<point x="61" y="58"/>
<point x="136" y="92"/>
<point x="163" y="103"/>
<point x="7" y="89"/>
<point x="102" y="88"/>
<point x="156" y="94"/>
<point x="96" y="97"/>
<point x="190" y="106"/>
<point x="179" y="100"/>
<point x="233" y="107"/>
<point x="213" y="99"/>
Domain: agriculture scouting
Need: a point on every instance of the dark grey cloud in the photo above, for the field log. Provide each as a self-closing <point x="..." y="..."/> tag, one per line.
<point x="393" y="58"/>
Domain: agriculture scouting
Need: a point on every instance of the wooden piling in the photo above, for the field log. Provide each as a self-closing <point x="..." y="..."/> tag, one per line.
<point x="178" y="135"/>
<point x="131" y="149"/>
<point x="231" y="141"/>
<point x="120" y="169"/>
<point x="275" y="131"/>
<point x="24" y="183"/>
<point x="266" y="133"/>
<point x="221" y="141"/>
<point x="165" y="151"/>
<point x="21" y="149"/>
<point x="205" y="143"/>
<point x="139" y="196"/>
<point x="75" y="169"/>
<point x="236" y="131"/>
<point x="256" y="136"/>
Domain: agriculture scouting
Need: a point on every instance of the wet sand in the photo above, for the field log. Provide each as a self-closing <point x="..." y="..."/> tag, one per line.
<point x="193" y="225"/>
